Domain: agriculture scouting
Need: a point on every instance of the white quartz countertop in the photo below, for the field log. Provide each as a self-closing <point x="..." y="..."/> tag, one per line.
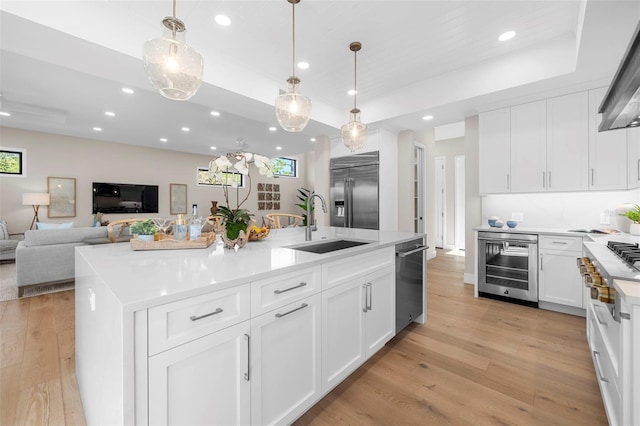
<point x="140" y="279"/>
<point x="629" y="290"/>
<point x="599" y="238"/>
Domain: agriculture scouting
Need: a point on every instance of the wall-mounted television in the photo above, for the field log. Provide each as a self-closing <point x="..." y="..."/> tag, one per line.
<point x="124" y="198"/>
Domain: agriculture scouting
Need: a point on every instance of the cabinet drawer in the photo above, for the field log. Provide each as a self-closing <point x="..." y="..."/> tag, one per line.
<point x="179" y="322"/>
<point x="340" y="271"/>
<point x="560" y="243"/>
<point x="272" y="293"/>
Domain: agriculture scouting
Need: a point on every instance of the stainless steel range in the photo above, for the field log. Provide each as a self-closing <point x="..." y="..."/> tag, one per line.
<point x="602" y="263"/>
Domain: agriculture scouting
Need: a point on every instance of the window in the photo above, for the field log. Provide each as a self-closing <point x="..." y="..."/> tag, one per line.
<point x="206" y="178"/>
<point x="13" y="162"/>
<point x="285" y="167"/>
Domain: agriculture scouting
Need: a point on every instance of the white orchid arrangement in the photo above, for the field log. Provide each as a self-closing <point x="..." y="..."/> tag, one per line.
<point x="238" y="162"/>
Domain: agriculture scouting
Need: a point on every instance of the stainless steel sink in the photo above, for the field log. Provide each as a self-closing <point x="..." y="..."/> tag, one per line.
<point x="329" y="246"/>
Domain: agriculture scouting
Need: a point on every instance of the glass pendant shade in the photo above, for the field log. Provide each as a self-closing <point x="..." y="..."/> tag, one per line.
<point x="293" y="110"/>
<point x="355" y="132"/>
<point x="174" y="68"/>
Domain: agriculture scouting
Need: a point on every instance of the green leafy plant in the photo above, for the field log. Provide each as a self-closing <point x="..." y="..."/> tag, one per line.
<point x="144" y="227"/>
<point x="633" y="215"/>
<point x="234" y="220"/>
<point x="303" y="196"/>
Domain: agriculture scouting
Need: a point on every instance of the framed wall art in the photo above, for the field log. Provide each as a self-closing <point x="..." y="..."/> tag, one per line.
<point x="178" y="198"/>
<point x="13" y="162"/>
<point x="63" y="197"/>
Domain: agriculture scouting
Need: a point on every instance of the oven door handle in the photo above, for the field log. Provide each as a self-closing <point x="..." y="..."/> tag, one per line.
<point x="508" y="241"/>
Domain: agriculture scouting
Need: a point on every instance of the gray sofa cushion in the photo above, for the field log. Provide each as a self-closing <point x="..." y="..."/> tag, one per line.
<point x="44" y="237"/>
<point x="8" y="249"/>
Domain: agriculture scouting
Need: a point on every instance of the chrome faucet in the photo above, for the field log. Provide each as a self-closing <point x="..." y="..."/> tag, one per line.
<point x="307" y="231"/>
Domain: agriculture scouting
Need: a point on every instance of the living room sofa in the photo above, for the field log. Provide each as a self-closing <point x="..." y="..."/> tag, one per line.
<point x="48" y="255"/>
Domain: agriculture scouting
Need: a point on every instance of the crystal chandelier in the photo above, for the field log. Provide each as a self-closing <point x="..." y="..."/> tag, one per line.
<point x="173" y="67"/>
<point x="354" y="133"/>
<point x="293" y="109"/>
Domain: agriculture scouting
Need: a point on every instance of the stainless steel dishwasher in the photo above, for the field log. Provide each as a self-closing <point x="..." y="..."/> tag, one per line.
<point x="411" y="276"/>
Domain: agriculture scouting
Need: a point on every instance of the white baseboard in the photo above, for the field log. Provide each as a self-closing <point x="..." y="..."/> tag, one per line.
<point x="431" y="255"/>
<point x="470" y="279"/>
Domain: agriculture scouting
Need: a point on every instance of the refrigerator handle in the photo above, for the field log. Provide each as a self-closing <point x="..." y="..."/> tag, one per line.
<point x="347" y="208"/>
<point x="351" y="182"/>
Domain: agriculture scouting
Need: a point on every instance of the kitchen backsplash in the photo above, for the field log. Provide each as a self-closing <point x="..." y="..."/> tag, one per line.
<point x="562" y="210"/>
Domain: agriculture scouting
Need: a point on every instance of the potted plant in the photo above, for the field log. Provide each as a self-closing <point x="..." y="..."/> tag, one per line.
<point x="144" y="229"/>
<point x="236" y="223"/>
<point x="304" y="197"/>
<point x="634" y="216"/>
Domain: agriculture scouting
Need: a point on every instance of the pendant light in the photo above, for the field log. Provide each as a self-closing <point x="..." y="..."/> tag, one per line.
<point x="173" y="67"/>
<point x="354" y="133"/>
<point x="293" y="110"/>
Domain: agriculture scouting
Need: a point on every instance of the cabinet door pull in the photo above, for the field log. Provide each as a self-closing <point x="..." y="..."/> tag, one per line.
<point x="302" y="284"/>
<point x="508" y="181"/>
<point x="366" y="295"/>
<point x="279" y="315"/>
<point x="596" y="356"/>
<point x="195" y="318"/>
<point x="248" y="339"/>
<point x="564" y="243"/>
<point x="593" y="180"/>
<point x="369" y="305"/>
<point x="638" y="168"/>
<point x="544" y="180"/>
<point x="542" y="261"/>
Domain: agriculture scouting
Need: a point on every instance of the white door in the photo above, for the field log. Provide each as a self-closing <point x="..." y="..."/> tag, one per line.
<point x="440" y="200"/>
<point x="568" y="142"/>
<point x="418" y="189"/>
<point x="203" y="381"/>
<point x="459" y="201"/>
<point x="343" y="348"/>
<point x="607" y="150"/>
<point x="560" y="281"/>
<point x="495" y="153"/>
<point x="380" y="321"/>
<point x="285" y="362"/>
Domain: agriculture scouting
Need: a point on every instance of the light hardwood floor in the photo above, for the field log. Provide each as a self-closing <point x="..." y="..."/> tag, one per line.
<point x="476" y="361"/>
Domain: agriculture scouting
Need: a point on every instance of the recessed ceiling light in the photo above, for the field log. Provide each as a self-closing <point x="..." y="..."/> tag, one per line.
<point x="272" y="129"/>
<point x="303" y="65"/>
<point x="127" y="90"/>
<point x="215" y="113"/>
<point x="213" y="148"/>
<point x="110" y="114"/>
<point x="278" y="148"/>
<point x="97" y="129"/>
<point x="427" y="117"/>
<point x="5" y="114"/>
<point x="352" y="92"/>
<point x="185" y="129"/>
<point x="163" y="139"/>
<point x="222" y="20"/>
<point x="507" y="35"/>
<point x="312" y="139"/>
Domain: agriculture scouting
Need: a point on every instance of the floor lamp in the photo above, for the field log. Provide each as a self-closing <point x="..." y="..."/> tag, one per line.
<point x="35" y="200"/>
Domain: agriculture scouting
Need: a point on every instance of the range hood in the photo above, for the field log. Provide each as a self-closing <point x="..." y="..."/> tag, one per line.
<point x="620" y="107"/>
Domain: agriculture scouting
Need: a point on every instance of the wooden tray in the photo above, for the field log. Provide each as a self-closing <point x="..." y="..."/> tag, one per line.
<point x="166" y="242"/>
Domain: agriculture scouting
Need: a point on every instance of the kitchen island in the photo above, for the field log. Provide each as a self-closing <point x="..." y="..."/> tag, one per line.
<point x="253" y="336"/>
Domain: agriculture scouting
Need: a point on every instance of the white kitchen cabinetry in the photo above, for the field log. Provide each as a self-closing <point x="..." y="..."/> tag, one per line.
<point x="607" y="150"/>
<point x="202" y="382"/>
<point x="529" y="147"/>
<point x="199" y="358"/>
<point x="568" y="143"/>
<point x="559" y="279"/>
<point x="285" y="362"/>
<point x="633" y="141"/>
<point x="495" y="151"/>
<point x="358" y="312"/>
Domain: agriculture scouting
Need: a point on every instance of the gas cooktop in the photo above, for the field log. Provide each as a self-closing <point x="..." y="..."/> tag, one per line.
<point x="628" y="252"/>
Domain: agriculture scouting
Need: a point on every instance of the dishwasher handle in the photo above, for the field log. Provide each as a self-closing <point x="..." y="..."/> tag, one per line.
<point x="410" y="252"/>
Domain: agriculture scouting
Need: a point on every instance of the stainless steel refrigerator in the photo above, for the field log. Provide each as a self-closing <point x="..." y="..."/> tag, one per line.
<point x="354" y="191"/>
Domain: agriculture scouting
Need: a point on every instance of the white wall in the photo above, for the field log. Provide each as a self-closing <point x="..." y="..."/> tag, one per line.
<point x="89" y="161"/>
<point x="473" y="207"/>
<point x="562" y="210"/>
<point x="427" y="138"/>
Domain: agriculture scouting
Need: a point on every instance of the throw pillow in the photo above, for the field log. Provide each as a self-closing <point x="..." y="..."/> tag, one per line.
<point x="44" y="225"/>
<point x="4" y="233"/>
